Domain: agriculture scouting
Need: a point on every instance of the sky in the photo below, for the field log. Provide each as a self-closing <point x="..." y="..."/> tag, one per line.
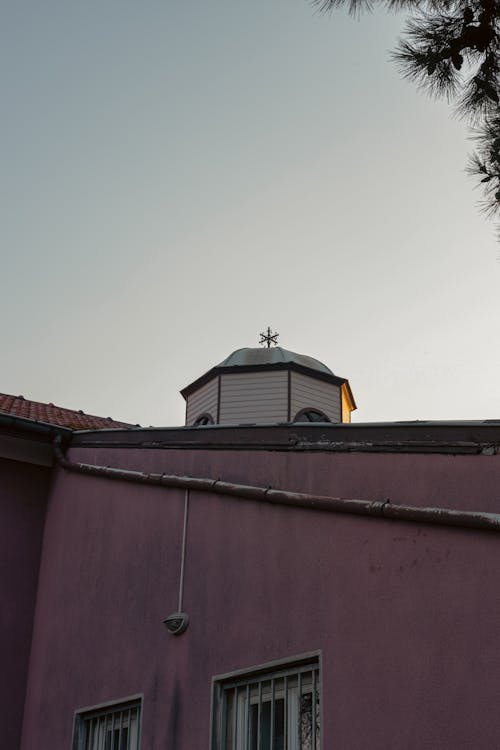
<point x="177" y="176"/>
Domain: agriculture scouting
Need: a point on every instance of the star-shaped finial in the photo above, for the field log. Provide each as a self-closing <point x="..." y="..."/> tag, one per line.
<point x="269" y="338"/>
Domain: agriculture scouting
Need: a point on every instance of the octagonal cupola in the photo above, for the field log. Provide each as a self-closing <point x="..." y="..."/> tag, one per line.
<point x="267" y="385"/>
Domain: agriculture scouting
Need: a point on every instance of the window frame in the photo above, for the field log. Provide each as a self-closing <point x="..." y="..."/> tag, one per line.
<point x="256" y="675"/>
<point x="204" y="415"/>
<point x="83" y="715"/>
<point x="311" y="410"/>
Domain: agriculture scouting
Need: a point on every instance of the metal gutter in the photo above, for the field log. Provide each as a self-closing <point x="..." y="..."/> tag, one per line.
<point x="375" y="509"/>
<point x="30" y="425"/>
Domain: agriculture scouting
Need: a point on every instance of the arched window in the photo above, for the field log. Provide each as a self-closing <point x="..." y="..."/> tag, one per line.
<point x="203" y="419"/>
<point x="311" y="415"/>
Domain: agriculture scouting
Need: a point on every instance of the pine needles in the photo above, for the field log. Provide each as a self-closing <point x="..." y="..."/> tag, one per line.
<point x="450" y="48"/>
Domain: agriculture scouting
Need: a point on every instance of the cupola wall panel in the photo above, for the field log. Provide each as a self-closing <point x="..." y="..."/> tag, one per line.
<point x="254" y="397"/>
<point x="312" y="393"/>
<point x="203" y="401"/>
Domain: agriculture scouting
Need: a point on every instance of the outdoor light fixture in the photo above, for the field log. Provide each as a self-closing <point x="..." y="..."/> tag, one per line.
<point x="176" y="623"/>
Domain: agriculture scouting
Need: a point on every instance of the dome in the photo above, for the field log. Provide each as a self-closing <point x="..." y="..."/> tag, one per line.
<point x="276" y="355"/>
<point x="267" y="385"/>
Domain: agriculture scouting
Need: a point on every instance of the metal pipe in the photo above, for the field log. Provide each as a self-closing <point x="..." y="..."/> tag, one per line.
<point x="183" y="552"/>
<point x="374" y="509"/>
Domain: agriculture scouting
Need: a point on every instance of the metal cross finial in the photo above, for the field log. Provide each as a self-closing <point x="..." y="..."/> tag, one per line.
<point x="269" y="338"/>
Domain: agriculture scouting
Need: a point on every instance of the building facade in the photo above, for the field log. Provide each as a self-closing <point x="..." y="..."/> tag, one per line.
<point x="265" y="587"/>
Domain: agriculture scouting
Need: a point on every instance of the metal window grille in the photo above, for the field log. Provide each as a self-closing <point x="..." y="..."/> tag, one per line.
<point x="279" y="710"/>
<point x="114" y="727"/>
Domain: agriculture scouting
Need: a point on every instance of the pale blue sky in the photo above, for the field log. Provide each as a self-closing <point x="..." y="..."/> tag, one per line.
<point x="177" y="176"/>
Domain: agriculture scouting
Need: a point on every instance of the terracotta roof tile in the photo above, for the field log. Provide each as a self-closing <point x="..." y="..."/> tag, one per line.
<point x="18" y="406"/>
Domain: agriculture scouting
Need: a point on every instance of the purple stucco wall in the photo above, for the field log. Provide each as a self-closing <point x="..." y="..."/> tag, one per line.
<point x="23" y="491"/>
<point x="406" y="616"/>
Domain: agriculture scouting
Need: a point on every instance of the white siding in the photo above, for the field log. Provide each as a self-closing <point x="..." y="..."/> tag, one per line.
<point x="254" y="397"/>
<point x="203" y="401"/>
<point x="317" y="394"/>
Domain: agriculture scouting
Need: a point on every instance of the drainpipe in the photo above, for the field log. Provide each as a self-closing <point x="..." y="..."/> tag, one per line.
<point x="374" y="509"/>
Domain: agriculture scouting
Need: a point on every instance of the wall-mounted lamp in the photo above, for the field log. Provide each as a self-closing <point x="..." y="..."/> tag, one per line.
<point x="176" y="623"/>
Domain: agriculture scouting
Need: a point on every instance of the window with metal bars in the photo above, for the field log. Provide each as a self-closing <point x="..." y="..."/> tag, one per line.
<point x="111" y="727"/>
<point x="276" y="710"/>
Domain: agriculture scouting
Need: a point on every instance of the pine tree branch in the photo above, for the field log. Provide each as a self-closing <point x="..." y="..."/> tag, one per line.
<point x="451" y="49"/>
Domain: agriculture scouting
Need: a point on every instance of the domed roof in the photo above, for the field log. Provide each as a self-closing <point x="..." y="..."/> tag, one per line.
<point x="260" y="359"/>
<point x="275" y="355"/>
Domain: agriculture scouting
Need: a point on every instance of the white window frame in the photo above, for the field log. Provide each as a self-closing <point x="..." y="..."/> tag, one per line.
<point x="234" y="694"/>
<point x="93" y="723"/>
